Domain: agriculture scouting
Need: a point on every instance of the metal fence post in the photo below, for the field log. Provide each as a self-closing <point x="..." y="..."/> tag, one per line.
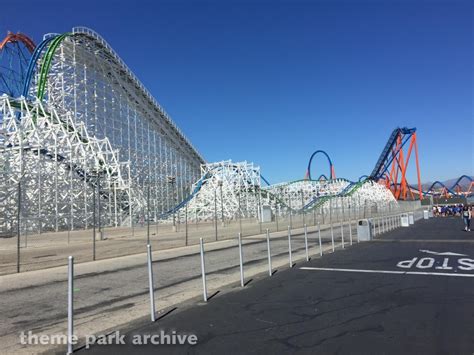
<point x="68" y="233"/>
<point x="259" y="213"/>
<point x="342" y="222"/>
<point x="203" y="271"/>
<point x="241" y="260"/>
<point x="302" y="207"/>
<point x="350" y="223"/>
<point x="186" y="224"/>
<point x="93" y="225"/>
<point x="331" y="226"/>
<point x="319" y="237"/>
<point x="26" y="233"/>
<point x="269" y="254"/>
<point x="215" y="211"/>
<point x="276" y="214"/>
<point x="18" y="228"/>
<point x="289" y="247"/>
<point x="98" y="205"/>
<point x="306" y="242"/>
<point x="70" y="305"/>
<point x="151" y="283"/>
<point x="147" y="215"/>
<point x="291" y="212"/>
<point x="240" y="214"/>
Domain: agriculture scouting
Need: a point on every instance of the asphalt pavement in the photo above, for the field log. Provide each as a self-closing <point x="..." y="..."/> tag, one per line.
<point x="411" y="291"/>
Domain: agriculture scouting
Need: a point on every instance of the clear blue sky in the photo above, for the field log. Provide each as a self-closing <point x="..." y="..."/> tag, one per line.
<point x="270" y="82"/>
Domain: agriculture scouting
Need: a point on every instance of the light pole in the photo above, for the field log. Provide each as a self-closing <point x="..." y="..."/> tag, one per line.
<point x="172" y="182"/>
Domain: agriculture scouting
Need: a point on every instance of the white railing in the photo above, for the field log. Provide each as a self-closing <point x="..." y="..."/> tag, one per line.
<point x="94" y="35"/>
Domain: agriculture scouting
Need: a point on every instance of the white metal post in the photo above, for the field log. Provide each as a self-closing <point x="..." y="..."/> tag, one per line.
<point x="151" y="283"/>
<point x="203" y="271"/>
<point x="330" y="222"/>
<point x="319" y="237"/>
<point x="269" y="254"/>
<point x="342" y="234"/>
<point x="306" y="242"/>
<point x="342" y="222"/>
<point x="350" y="223"/>
<point x="70" y="305"/>
<point x="241" y="259"/>
<point x="289" y="247"/>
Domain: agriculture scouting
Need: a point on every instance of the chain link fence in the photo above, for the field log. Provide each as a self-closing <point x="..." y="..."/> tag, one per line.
<point x="28" y="245"/>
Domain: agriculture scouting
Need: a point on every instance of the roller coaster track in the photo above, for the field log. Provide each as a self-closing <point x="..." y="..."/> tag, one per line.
<point x="38" y="85"/>
<point x="92" y="161"/>
<point x="279" y="194"/>
<point x="384" y="159"/>
<point x="454" y="190"/>
<point x="332" y="173"/>
<point x="18" y="37"/>
<point x="91" y="179"/>
<point x="392" y="164"/>
<point x="15" y="51"/>
<point x="50" y="46"/>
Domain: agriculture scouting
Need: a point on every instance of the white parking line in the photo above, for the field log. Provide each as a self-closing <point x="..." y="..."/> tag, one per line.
<point x="387" y="272"/>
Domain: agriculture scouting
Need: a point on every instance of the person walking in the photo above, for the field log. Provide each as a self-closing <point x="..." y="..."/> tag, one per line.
<point x="466" y="216"/>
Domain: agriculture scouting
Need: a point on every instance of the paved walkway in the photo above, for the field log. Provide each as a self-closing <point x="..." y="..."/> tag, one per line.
<point x="112" y="292"/>
<point x="409" y="292"/>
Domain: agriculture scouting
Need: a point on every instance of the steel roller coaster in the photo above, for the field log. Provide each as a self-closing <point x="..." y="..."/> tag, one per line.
<point x="438" y="188"/>
<point x="84" y="126"/>
<point x="80" y="133"/>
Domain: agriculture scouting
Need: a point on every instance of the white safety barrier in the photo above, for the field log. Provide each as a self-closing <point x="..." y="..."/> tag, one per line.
<point x="270" y="272"/>
<point x="151" y="283"/>
<point x="306" y="242"/>
<point x="289" y="247"/>
<point x="241" y="259"/>
<point x="320" y="243"/>
<point x="70" y="305"/>
<point x="203" y="270"/>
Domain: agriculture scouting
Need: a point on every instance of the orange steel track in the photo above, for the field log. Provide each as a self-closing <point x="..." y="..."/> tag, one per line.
<point x="18" y="37"/>
<point x="396" y="181"/>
